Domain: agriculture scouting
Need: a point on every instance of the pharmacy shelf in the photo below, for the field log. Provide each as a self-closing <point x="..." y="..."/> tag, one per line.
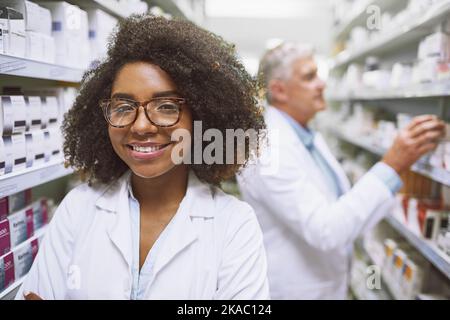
<point x="432" y="90"/>
<point x="22" y="67"/>
<point x="437" y="174"/>
<point x="434" y="173"/>
<point x="414" y="30"/>
<point x="29" y="178"/>
<point x="358" y="16"/>
<point x="4" y="295"/>
<point x="361" y="142"/>
<point x="428" y="249"/>
<point x="113" y="7"/>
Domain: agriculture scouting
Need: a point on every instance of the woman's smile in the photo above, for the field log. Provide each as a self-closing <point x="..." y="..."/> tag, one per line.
<point x="147" y="150"/>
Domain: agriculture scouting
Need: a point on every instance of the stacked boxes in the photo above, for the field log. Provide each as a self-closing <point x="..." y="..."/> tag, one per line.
<point x="21" y="226"/>
<point x="27" y="31"/>
<point x="71" y="33"/>
<point x="403" y="270"/>
<point x="31" y="134"/>
<point x="100" y="26"/>
<point x="16" y="263"/>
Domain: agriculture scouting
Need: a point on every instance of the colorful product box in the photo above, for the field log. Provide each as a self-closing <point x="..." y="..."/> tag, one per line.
<point x="14" y="203"/>
<point x="21" y="226"/>
<point x="19" y="200"/>
<point x="7" y="272"/>
<point x="5" y="237"/>
<point x="40" y="213"/>
<point x="23" y="258"/>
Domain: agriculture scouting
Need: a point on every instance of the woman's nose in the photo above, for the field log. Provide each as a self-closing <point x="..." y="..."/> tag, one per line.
<point x="142" y="124"/>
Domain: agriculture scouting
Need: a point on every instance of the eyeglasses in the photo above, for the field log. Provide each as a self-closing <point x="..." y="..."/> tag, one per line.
<point x="161" y="112"/>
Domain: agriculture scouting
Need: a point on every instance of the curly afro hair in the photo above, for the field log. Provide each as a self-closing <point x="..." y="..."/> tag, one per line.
<point x="205" y="70"/>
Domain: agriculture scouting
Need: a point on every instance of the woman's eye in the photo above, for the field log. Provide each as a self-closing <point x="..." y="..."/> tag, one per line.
<point x="123" y="108"/>
<point x="168" y="108"/>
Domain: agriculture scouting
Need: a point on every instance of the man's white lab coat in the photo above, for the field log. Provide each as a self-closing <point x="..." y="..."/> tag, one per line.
<point x="308" y="233"/>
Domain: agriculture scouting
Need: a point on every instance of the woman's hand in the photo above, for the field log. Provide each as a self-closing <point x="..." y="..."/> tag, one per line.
<point x="31" y="296"/>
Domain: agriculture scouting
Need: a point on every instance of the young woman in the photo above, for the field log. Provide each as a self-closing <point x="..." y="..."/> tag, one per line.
<point x="146" y="226"/>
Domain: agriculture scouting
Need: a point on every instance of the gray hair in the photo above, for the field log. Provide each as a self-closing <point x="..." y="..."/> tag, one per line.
<point x="277" y="62"/>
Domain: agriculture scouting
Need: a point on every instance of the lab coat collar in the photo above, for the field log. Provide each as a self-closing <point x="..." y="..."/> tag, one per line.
<point x="306" y="135"/>
<point x="200" y="192"/>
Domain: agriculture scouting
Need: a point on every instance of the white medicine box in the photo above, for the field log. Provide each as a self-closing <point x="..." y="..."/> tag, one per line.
<point x="4" y="30"/>
<point x="49" y="111"/>
<point x="17" y="38"/>
<point x="34" y="112"/>
<point x="30" y="11"/>
<point x="12" y="114"/>
<point x="16" y="154"/>
<point x="2" y="157"/>
<point x="40" y="149"/>
<point x="29" y="147"/>
<point x="68" y="28"/>
<point x="35" y="46"/>
<point x="53" y="142"/>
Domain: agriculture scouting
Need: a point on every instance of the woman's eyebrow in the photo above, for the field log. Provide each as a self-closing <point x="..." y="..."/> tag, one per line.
<point x="170" y="93"/>
<point x="122" y="95"/>
<point x="161" y="94"/>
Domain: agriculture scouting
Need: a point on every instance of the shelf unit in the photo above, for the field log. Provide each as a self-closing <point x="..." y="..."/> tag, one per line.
<point x="422" y="91"/>
<point x="389" y="46"/>
<point x="415" y="29"/>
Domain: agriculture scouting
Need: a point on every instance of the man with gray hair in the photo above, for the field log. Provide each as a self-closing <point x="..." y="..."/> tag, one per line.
<point x="309" y="214"/>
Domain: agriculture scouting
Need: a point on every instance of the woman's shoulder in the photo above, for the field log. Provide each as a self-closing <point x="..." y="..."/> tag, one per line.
<point x="88" y="194"/>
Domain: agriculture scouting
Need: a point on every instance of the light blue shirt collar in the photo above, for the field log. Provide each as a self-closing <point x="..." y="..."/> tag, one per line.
<point x="306" y="135"/>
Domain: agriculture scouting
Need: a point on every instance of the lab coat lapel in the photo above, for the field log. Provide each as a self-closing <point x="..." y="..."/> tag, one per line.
<point x="305" y="160"/>
<point x="115" y="199"/>
<point x="183" y="233"/>
<point x="332" y="162"/>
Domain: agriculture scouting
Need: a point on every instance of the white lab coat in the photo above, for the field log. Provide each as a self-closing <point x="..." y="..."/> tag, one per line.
<point x="308" y="233"/>
<point x="214" y="249"/>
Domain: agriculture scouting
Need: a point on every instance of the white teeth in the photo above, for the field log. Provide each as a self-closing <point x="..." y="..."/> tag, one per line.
<point x="147" y="149"/>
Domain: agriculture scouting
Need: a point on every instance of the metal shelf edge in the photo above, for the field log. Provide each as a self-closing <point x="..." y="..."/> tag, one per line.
<point x="27" y="68"/>
<point x="16" y="182"/>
